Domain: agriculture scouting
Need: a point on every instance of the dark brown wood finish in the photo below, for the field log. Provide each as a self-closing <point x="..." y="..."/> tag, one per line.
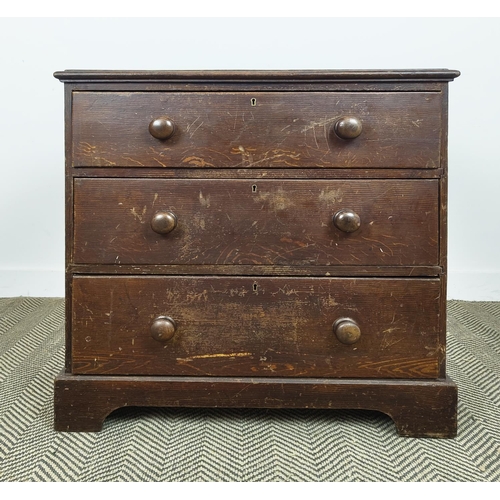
<point x="258" y="173"/>
<point x="262" y="222"/>
<point x="248" y="130"/>
<point x="418" y="408"/>
<point x="245" y="77"/>
<point x="403" y="121"/>
<point x="256" y="326"/>
<point x="68" y="256"/>
<point x="443" y="224"/>
<point x="246" y="270"/>
<point x="272" y="81"/>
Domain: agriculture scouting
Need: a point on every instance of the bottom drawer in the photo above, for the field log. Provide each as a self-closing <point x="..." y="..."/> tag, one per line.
<point x="265" y="326"/>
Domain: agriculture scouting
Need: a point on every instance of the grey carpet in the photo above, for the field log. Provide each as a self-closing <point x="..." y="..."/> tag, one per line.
<point x="163" y="444"/>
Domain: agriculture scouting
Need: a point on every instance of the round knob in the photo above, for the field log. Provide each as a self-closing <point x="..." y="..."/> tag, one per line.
<point x="163" y="222"/>
<point x="347" y="330"/>
<point x="347" y="220"/>
<point x="348" y="127"/>
<point x="162" y="128"/>
<point x="163" y="328"/>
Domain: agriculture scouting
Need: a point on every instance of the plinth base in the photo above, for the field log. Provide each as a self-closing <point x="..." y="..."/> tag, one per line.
<point x="423" y="408"/>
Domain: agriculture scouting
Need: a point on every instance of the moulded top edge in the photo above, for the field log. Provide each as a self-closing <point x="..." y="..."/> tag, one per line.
<point x="260" y="75"/>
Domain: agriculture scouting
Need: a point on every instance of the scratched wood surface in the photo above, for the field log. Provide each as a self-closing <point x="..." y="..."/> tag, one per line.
<point x="265" y="326"/>
<point x="292" y="129"/>
<point x="258" y="173"/>
<point x="419" y="408"/>
<point x="266" y="222"/>
<point x="259" y="270"/>
<point x="250" y="185"/>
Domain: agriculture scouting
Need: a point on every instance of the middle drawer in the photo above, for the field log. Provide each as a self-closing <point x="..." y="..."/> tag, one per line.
<point x="261" y="222"/>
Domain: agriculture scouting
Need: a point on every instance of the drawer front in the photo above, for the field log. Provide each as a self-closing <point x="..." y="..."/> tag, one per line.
<point x="262" y="222"/>
<point x="261" y="130"/>
<point x="256" y="326"/>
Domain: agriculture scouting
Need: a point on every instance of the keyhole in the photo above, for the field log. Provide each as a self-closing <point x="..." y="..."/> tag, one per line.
<point x="253" y="101"/>
<point x="254" y="188"/>
<point x="255" y="286"/>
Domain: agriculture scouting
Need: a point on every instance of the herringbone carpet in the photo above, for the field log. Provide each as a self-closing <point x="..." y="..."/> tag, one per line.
<point x="240" y="445"/>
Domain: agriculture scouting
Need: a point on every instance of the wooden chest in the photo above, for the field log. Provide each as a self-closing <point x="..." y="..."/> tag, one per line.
<point x="257" y="239"/>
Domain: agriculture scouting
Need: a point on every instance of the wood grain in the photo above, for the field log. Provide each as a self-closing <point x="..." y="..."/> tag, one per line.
<point x="418" y="408"/>
<point x="260" y="76"/>
<point x="219" y="85"/>
<point x="257" y="173"/>
<point x="221" y="130"/>
<point x="249" y="270"/>
<point x="263" y="326"/>
<point x="261" y="222"/>
<point x="271" y="346"/>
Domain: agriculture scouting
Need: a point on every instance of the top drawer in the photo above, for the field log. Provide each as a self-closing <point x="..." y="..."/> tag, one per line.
<point x="258" y="130"/>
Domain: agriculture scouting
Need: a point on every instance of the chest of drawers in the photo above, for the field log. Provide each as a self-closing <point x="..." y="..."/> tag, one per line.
<point x="257" y="239"/>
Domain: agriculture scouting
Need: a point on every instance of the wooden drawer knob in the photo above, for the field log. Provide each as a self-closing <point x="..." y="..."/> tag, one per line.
<point x="348" y="127"/>
<point x="347" y="220"/>
<point x="163" y="222"/>
<point x="347" y="330"/>
<point x="162" y="128"/>
<point x="163" y="328"/>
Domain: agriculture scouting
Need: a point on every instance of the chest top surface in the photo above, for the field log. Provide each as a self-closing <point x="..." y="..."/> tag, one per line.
<point x="260" y="75"/>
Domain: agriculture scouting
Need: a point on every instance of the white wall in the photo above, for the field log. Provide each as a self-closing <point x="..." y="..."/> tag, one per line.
<point x="31" y="117"/>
